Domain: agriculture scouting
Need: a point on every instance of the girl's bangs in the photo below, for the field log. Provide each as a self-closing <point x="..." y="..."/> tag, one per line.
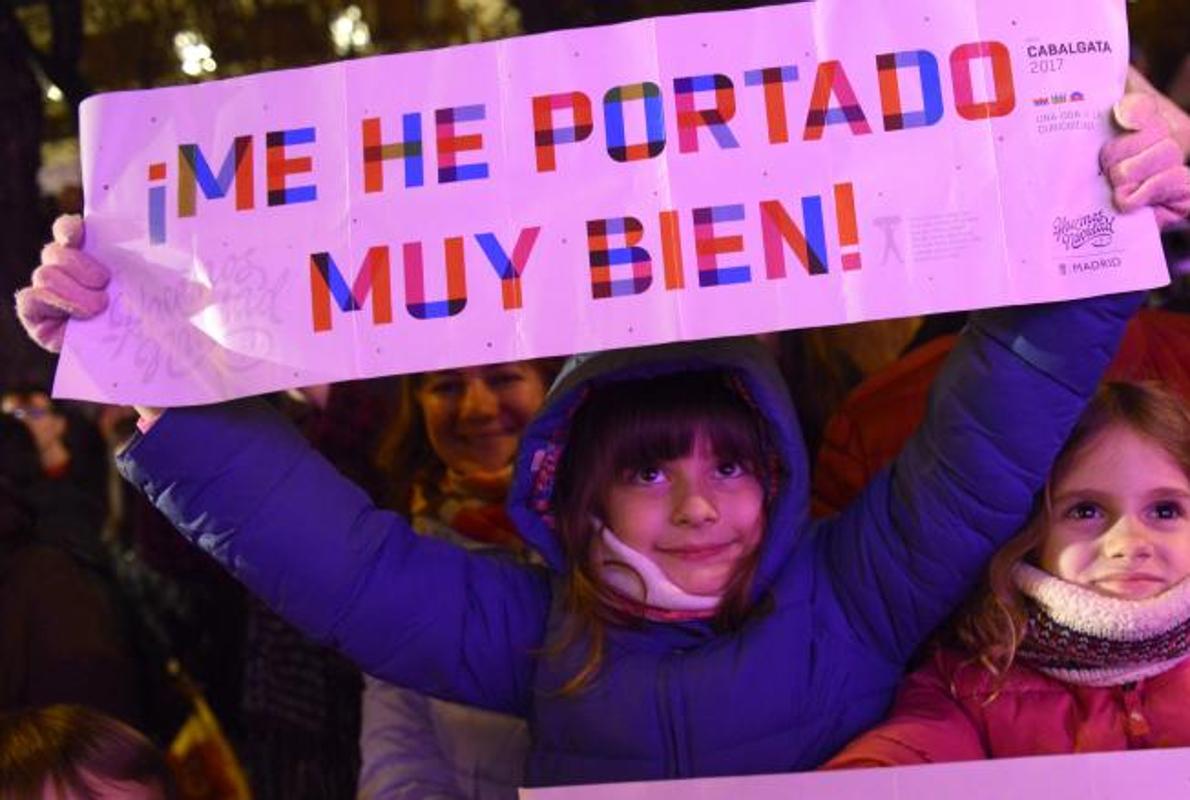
<point x="647" y="422"/>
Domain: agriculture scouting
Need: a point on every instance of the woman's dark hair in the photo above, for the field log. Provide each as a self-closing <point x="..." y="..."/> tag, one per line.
<point x="629" y="425"/>
<point x="70" y="745"/>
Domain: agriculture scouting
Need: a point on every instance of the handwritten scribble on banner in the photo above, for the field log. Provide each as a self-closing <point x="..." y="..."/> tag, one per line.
<point x="677" y="178"/>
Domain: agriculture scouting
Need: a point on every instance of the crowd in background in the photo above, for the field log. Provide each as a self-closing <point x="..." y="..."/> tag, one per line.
<point x="103" y="606"/>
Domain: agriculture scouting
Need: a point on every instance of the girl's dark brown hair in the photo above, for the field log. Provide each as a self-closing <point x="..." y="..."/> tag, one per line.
<point x="630" y="425"/>
<point x="69" y="745"/>
<point x="403" y="453"/>
<point x="993" y="622"/>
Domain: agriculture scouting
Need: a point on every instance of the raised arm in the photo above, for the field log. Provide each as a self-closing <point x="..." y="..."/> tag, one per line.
<point x="914" y="542"/>
<point x="912" y="545"/>
<point x="239" y="482"/>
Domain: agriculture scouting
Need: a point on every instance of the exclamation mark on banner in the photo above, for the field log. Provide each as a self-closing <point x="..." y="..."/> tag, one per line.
<point x="157" y="203"/>
<point x="848" y="230"/>
<point x="671" y="250"/>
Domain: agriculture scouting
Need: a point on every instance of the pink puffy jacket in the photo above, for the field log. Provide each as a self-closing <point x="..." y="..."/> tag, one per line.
<point x="950" y="710"/>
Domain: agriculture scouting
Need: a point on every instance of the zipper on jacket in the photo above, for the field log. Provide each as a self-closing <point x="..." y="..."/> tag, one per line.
<point x="1136" y="725"/>
<point x="669" y="692"/>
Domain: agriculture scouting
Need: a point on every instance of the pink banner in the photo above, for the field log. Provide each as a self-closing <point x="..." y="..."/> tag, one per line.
<point x="677" y="178"/>
<point x="1147" y="774"/>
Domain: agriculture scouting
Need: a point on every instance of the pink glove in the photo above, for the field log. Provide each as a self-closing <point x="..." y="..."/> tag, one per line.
<point x="69" y="284"/>
<point x="1179" y="120"/>
<point x="1145" y="164"/>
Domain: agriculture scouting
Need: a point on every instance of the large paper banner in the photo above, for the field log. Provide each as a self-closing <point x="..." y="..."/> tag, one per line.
<point x="677" y="178"/>
<point x="1147" y="774"/>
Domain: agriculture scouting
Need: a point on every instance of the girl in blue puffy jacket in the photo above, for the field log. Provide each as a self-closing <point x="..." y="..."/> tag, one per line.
<point x="689" y="619"/>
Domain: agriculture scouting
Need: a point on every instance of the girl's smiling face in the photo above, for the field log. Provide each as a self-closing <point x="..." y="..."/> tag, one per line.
<point x="1120" y="520"/>
<point x="697" y="517"/>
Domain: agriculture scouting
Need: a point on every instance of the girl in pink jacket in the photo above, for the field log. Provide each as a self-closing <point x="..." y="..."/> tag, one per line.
<point x="1079" y="640"/>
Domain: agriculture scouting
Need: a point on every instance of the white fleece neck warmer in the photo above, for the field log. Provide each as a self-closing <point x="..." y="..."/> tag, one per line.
<point x="635" y="576"/>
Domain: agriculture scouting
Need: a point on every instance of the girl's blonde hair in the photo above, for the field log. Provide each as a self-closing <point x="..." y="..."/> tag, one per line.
<point x="68" y="746"/>
<point x="630" y="425"/>
<point x="992" y="624"/>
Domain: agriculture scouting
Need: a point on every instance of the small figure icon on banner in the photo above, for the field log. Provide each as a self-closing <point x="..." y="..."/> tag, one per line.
<point x="889" y="226"/>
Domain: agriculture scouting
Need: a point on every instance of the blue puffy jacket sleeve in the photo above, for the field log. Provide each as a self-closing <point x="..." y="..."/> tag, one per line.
<point x="241" y="483"/>
<point x="908" y="550"/>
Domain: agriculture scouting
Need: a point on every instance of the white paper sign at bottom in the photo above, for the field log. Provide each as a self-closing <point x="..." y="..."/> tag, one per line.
<point x="1138" y="775"/>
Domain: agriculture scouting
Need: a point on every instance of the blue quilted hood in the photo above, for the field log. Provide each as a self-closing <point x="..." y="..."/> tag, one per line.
<point x="546" y="437"/>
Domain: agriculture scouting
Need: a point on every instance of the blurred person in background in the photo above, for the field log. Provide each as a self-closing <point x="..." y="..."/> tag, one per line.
<point x="448" y="457"/>
<point x="66" y="752"/>
<point x="73" y="457"/>
<point x="63" y="637"/>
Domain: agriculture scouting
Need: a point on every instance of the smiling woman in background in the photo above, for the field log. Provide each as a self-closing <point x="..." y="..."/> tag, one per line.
<point x="448" y="454"/>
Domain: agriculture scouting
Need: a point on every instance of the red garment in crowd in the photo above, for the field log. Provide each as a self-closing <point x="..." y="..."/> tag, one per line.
<point x="876" y="419"/>
<point x="953" y="710"/>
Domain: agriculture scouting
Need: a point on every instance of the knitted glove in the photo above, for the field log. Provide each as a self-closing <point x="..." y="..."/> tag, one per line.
<point x="1145" y="164"/>
<point x="69" y="284"/>
<point x="1179" y="120"/>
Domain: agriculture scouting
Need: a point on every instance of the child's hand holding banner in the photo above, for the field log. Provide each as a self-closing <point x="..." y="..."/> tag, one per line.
<point x="678" y="178"/>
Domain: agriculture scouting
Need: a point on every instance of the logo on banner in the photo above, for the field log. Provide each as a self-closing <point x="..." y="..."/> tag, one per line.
<point x="1095" y="229"/>
<point x="1060" y="98"/>
<point x="1075" y="48"/>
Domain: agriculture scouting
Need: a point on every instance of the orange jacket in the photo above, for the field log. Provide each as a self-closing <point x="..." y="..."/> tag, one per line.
<point x="869" y="429"/>
<point x="950" y="710"/>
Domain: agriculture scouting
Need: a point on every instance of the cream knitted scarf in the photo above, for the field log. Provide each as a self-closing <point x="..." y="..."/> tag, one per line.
<point x="1080" y="636"/>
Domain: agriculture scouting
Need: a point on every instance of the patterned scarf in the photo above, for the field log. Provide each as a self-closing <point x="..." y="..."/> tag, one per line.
<point x="1080" y="636"/>
<point x="471" y="506"/>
